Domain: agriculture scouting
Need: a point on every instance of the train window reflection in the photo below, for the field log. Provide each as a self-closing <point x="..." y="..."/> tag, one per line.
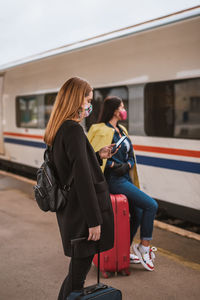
<point x="98" y="98"/>
<point x="27" y="111"/>
<point x="187" y="109"/>
<point x="49" y="101"/>
<point x="34" y="111"/>
<point x="172" y="109"/>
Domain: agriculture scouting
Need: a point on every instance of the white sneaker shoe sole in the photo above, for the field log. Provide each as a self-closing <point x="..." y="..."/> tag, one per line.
<point x="137" y="252"/>
<point x="134" y="259"/>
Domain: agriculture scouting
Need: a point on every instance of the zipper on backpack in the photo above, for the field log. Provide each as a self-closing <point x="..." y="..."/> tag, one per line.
<point x="47" y="177"/>
<point x="37" y="188"/>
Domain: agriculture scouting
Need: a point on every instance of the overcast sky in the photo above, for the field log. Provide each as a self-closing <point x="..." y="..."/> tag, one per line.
<point x="29" y="27"/>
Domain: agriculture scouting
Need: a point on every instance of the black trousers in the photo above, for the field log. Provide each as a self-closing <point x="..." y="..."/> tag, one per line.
<point x="76" y="277"/>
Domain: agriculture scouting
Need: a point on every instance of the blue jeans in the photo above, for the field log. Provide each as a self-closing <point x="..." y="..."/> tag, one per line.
<point x="141" y="206"/>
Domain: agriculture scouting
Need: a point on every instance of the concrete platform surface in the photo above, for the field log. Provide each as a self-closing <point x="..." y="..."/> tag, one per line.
<point x="32" y="263"/>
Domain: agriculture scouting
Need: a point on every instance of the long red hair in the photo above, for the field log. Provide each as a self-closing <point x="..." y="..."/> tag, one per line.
<point x="69" y="101"/>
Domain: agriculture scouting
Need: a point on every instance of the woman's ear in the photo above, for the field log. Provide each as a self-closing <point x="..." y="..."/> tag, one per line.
<point x="116" y="113"/>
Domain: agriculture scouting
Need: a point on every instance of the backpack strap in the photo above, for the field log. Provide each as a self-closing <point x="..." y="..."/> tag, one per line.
<point x="48" y="154"/>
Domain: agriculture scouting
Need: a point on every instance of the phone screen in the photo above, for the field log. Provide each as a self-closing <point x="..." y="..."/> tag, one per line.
<point x="120" y="141"/>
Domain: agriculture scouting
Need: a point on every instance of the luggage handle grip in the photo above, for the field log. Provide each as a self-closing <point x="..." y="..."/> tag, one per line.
<point x="78" y="240"/>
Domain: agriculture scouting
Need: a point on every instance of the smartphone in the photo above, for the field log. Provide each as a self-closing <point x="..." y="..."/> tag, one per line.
<point x="118" y="144"/>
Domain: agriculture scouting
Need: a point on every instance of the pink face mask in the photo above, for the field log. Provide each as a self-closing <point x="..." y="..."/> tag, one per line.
<point x="123" y="114"/>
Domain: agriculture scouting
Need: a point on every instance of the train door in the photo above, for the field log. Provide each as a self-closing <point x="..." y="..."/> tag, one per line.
<point x="1" y="116"/>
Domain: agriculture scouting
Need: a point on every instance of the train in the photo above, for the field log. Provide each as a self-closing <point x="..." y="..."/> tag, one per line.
<point x="156" y="71"/>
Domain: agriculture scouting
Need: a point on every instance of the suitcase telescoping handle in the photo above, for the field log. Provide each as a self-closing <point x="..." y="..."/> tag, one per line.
<point x="79" y="240"/>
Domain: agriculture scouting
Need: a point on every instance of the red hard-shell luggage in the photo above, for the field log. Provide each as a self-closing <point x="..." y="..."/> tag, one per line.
<point x="117" y="259"/>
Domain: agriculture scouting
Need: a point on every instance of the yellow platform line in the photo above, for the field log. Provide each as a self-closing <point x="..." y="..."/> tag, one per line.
<point x="179" y="259"/>
<point x="177" y="230"/>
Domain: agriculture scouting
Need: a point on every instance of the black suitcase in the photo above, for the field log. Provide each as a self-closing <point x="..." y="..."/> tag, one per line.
<point x="97" y="291"/>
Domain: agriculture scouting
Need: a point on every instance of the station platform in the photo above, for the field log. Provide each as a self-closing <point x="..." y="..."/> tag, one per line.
<point x="33" y="266"/>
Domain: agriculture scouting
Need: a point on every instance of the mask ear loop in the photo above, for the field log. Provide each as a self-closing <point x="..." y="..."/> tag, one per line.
<point x="80" y="111"/>
<point x="79" y="114"/>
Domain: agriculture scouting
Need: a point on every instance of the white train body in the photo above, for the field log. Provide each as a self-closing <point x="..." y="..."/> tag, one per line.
<point x="169" y="167"/>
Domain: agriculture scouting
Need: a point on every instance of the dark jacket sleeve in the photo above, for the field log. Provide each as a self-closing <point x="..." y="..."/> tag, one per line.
<point x="99" y="158"/>
<point x="75" y="147"/>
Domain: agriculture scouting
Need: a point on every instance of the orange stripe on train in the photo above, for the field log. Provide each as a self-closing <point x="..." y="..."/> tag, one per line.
<point x="171" y="151"/>
<point x="24" y="135"/>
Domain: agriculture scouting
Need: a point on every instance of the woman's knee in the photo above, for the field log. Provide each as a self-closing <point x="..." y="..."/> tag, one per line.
<point x="155" y="206"/>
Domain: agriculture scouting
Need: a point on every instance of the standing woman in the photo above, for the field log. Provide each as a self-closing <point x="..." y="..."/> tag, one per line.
<point x="121" y="174"/>
<point x="88" y="212"/>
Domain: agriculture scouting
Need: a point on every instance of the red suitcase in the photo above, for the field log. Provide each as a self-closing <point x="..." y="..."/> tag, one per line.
<point x="117" y="259"/>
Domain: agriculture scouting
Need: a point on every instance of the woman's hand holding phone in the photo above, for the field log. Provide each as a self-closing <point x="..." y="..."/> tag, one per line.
<point x="106" y="152"/>
<point x="117" y="145"/>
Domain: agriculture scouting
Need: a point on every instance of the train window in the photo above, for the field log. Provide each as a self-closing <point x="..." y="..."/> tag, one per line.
<point x="98" y="98"/>
<point x="172" y="109"/>
<point x="49" y="101"/>
<point x="29" y="114"/>
<point x="187" y="109"/>
<point x="34" y="111"/>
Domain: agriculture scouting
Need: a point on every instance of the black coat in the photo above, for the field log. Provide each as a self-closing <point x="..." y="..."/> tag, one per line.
<point x="89" y="202"/>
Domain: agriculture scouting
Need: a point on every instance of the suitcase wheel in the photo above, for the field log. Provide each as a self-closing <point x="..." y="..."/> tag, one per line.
<point x="107" y="274"/>
<point x="125" y="272"/>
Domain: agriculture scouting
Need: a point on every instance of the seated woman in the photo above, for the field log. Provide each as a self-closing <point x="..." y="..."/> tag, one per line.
<point x="121" y="175"/>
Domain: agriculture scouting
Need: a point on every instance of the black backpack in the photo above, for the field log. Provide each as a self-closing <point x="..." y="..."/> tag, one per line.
<point x="49" y="194"/>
